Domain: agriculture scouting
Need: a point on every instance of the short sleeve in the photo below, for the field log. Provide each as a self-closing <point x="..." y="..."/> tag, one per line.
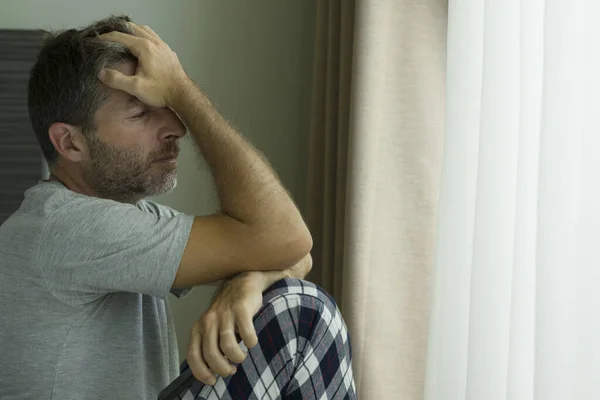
<point x="164" y="211"/>
<point x="91" y="247"/>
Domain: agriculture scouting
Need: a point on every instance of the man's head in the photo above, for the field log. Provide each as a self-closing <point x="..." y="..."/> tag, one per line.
<point x="105" y="138"/>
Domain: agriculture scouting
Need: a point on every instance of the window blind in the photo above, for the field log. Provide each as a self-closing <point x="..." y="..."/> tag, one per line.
<point x="20" y="156"/>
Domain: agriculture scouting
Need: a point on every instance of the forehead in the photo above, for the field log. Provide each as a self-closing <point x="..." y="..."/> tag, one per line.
<point x="118" y="99"/>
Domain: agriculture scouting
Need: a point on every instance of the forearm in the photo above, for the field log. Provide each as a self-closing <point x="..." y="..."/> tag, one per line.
<point x="248" y="188"/>
<point x="264" y="280"/>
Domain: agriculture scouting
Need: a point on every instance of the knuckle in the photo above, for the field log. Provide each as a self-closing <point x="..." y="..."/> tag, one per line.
<point x="136" y="83"/>
<point x="210" y="355"/>
<point x="213" y="360"/>
<point x="197" y="325"/>
<point x="239" y="309"/>
<point x="209" y="319"/>
<point x="193" y="354"/>
<point x="224" y="314"/>
<point x="146" y="45"/>
<point x="228" y="347"/>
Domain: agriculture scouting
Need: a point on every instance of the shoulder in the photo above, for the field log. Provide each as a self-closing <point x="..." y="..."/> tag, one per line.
<point x="53" y="199"/>
<point x="156" y="209"/>
<point x="82" y="216"/>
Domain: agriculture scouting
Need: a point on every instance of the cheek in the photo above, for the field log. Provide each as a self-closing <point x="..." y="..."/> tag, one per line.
<point x="136" y="158"/>
<point x="119" y="133"/>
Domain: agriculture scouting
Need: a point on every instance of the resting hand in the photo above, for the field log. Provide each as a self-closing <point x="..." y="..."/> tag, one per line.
<point x="213" y="342"/>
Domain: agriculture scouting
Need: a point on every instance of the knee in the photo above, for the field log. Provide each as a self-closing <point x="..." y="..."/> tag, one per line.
<point x="296" y="296"/>
<point x="305" y="311"/>
<point x="296" y="286"/>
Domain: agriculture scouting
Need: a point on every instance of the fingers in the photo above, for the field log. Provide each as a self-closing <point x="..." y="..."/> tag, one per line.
<point x="143" y="31"/>
<point x="246" y="327"/>
<point x="228" y="342"/>
<point x="210" y="346"/>
<point x="146" y="29"/>
<point x="135" y="44"/>
<point x="195" y="359"/>
<point x="120" y="81"/>
<point x="132" y="42"/>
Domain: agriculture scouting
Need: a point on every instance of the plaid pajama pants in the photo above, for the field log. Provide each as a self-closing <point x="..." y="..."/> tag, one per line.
<point x="303" y="351"/>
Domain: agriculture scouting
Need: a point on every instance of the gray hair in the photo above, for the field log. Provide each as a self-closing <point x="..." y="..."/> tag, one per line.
<point x="63" y="83"/>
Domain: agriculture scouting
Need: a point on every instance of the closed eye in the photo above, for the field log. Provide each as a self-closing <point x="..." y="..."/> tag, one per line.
<point x="141" y="114"/>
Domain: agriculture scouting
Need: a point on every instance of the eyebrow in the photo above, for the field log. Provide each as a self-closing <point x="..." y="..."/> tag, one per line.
<point x="132" y="102"/>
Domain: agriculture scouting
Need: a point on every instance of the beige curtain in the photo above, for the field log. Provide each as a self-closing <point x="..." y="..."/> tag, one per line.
<point x="375" y="160"/>
<point x="328" y="149"/>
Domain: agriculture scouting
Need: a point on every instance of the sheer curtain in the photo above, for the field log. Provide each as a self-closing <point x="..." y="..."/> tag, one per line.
<point x="517" y="279"/>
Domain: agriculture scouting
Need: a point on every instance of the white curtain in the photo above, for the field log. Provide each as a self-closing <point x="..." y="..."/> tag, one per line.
<point x="516" y="307"/>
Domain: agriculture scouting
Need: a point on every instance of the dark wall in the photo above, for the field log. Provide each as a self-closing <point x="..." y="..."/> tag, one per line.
<point x="20" y="156"/>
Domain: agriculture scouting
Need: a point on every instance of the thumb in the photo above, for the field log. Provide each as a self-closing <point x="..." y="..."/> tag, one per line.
<point x="117" y="80"/>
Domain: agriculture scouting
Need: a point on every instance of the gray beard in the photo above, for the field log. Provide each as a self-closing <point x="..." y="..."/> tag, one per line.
<point x="126" y="176"/>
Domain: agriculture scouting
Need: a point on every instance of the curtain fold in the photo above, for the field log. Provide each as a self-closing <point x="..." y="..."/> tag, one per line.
<point x="519" y="222"/>
<point x="328" y="146"/>
<point x="376" y="149"/>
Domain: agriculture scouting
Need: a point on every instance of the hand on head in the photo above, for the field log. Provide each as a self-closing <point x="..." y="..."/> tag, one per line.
<point x="159" y="73"/>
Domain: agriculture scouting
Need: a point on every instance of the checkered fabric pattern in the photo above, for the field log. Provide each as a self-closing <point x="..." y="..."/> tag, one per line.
<point x="303" y="351"/>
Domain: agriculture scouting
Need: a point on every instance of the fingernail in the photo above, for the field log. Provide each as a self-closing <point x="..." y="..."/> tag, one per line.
<point x="233" y="371"/>
<point x="101" y="74"/>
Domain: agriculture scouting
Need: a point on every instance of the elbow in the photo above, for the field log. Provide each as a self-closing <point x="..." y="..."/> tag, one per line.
<point x="306" y="242"/>
<point x="295" y="248"/>
<point x="286" y="249"/>
<point x="279" y="247"/>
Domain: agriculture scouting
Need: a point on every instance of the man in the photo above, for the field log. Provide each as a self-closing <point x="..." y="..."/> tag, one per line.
<point x="87" y="264"/>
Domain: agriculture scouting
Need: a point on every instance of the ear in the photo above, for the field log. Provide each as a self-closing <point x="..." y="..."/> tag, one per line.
<point x="68" y="141"/>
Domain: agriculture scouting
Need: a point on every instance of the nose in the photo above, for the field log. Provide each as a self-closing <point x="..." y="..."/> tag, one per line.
<point x="172" y="127"/>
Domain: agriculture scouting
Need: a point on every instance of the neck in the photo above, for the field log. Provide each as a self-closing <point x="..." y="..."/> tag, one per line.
<point x="75" y="183"/>
<point x="70" y="181"/>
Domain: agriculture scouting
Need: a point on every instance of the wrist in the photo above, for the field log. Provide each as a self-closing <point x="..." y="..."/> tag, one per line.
<point x="302" y="268"/>
<point x="180" y="90"/>
<point x="263" y="280"/>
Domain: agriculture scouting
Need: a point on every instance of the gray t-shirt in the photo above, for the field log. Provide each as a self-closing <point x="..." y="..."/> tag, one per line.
<point x="83" y="289"/>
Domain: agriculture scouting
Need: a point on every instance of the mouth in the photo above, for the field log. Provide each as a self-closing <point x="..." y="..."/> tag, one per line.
<point x="167" y="159"/>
